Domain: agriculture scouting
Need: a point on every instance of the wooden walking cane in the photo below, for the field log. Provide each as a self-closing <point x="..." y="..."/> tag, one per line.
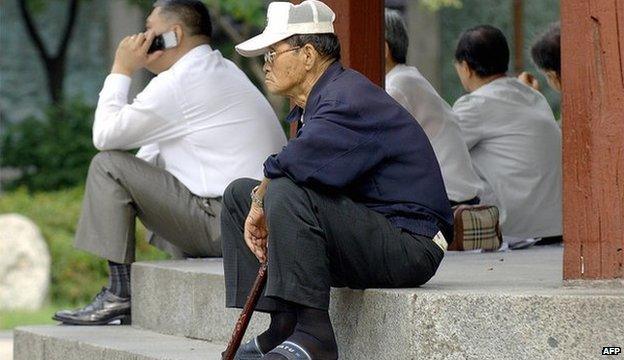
<point x="245" y="316"/>
<point x="253" y="297"/>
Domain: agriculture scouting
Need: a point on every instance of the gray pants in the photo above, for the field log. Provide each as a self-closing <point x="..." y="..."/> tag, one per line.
<point x="317" y="240"/>
<point x="121" y="187"/>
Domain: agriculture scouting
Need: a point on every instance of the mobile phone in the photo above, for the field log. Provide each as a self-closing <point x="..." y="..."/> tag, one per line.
<point x="163" y="41"/>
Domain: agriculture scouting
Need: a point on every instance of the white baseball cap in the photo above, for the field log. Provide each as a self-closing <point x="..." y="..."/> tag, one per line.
<point x="284" y="20"/>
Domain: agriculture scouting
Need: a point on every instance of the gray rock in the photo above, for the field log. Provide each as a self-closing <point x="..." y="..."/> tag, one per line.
<point x="24" y="264"/>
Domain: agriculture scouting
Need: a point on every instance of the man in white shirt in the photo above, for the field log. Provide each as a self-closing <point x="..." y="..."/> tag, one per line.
<point x="514" y="141"/>
<point x="200" y="123"/>
<point x="410" y="89"/>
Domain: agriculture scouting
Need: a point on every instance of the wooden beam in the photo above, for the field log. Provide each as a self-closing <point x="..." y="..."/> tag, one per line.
<point x="593" y="129"/>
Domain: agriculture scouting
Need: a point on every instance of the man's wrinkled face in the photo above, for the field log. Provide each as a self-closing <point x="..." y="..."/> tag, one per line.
<point x="286" y="70"/>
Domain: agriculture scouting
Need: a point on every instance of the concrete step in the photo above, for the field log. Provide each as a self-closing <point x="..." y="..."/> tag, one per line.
<point x="504" y="305"/>
<point x="107" y="343"/>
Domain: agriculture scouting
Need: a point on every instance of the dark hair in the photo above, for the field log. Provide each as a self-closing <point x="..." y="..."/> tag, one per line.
<point x="327" y="45"/>
<point x="193" y="14"/>
<point x="485" y="50"/>
<point x="396" y="36"/>
<point x="546" y="52"/>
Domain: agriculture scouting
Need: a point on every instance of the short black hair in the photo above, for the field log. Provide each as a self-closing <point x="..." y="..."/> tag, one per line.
<point x="396" y="36"/>
<point x="485" y="50"/>
<point x="327" y="45"/>
<point x="193" y="13"/>
<point x="546" y="52"/>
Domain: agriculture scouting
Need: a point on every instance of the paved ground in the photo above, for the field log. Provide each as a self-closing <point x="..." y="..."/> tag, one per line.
<point x="6" y="345"/>
<point x="536" y="270"/>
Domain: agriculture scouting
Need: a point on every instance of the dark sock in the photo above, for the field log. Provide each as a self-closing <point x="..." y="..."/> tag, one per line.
<point x="314" y="333"/>
<point x="119" y="279"/>
<point x="281" y="327"/>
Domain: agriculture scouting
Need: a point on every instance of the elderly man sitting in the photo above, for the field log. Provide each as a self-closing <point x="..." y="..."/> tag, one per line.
<point x="357" y="199"/>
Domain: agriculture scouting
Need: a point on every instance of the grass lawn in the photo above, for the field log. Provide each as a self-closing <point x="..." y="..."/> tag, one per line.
<point x="10" y="319"/>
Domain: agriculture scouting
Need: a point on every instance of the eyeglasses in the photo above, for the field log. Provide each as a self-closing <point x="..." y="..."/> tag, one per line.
<point x="270" y="56"/>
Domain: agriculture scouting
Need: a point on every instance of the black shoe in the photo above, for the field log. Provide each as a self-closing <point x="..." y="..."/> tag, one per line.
<point x="105" y="308"/>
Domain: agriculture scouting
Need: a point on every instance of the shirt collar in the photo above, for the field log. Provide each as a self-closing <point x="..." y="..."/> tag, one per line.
<point x="396" y="69"/>
<point x="197" y="51"/>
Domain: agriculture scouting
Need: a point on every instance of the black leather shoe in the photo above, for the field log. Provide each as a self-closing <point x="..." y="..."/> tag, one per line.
<point x="105" y="308"/>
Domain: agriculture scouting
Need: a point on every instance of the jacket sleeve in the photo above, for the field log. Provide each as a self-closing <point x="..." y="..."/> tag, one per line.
<point x="334" y="147"/>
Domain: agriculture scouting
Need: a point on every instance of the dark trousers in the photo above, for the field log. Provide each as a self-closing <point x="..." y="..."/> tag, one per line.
<point x="317" y="240"/>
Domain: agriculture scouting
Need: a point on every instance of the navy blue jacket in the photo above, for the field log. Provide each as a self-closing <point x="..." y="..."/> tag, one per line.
<point x="356" y="139"/>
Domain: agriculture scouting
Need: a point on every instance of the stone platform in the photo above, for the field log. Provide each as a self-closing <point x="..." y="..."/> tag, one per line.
<point x="504" y="305"/>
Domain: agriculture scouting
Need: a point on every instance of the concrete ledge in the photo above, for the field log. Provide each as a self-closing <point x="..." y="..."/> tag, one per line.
<point x="107" y="343"/>
<point x="508" y="305"/>
<point x="186" y="298"/>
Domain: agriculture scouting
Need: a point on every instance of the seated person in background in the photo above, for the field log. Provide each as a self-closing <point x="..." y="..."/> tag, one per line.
<point x="356" y="199"/>
<point x="546" y="54"/>
<point x="201" y="118"/>
<point x="513" y="139"/>
<point x="410" y="89"/>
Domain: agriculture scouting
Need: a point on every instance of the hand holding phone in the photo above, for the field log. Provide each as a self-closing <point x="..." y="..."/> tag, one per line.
<point x="163" y="41"/>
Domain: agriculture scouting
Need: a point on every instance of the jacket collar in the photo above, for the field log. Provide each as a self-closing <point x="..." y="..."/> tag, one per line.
<point x="328" y="76"/>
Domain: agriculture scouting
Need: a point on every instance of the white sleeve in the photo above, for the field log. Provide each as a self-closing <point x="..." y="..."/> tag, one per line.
<point x="149" y="153"/>
<point x="153" y="116"/>
<point x="399" y="97"/>
<point x="469" y="120"/>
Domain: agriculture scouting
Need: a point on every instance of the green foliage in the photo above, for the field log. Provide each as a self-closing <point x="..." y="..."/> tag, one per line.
<point x="53" y="152"/>
<point x="76" y="275"/>
<point x="435" y="5"/>
<point x="251" y="12"/>
<point x="10" y="319"/>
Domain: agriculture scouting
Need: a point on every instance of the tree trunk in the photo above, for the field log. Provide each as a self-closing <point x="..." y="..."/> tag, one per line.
<point x="54" y="64"/>
<point x="55" y="70"/>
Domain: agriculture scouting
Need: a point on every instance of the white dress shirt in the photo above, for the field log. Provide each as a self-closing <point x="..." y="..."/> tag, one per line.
<point x="515" y="145"/>
<point x="410" y="89"/>
<point x="203" y="119"/>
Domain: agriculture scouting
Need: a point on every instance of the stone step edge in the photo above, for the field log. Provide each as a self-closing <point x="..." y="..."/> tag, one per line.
<point x="108" y="342"/>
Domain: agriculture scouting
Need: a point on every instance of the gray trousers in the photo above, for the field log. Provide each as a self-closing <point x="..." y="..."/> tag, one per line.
<point x="318" y="240"/>
<point x="121" y="187"/>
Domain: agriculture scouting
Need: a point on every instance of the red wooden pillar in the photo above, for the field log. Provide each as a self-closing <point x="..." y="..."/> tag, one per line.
<point x="360" y="27"/>
<point x="593" y="138"/>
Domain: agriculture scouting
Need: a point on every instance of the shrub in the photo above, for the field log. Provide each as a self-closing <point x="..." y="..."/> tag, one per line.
<point x="52" y="152"/>
<point x="76" y="275"/>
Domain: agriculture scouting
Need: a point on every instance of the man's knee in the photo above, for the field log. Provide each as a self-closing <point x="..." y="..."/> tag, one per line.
<point x="238" y="190"/>
<point x="105" y="159"/>
<point x="282" y="193"/>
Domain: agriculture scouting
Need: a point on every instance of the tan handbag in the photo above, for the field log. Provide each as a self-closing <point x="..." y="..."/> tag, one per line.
<point x="476" y="227"/>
